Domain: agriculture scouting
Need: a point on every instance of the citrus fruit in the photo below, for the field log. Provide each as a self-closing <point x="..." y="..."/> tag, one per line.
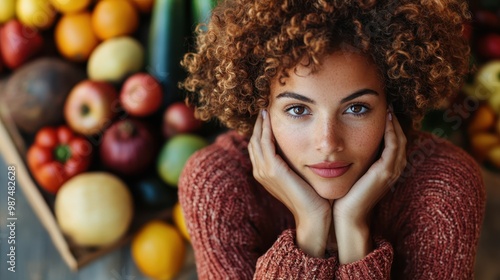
<point x="158" y="250"/>
<point x="482" y="120"/>
<point x="145" y="6"/>
<point x="74" y="36"/>
<point x="112" y="18"/>
<point x="35" y="13"/>
<point x="70" y="6"/>
<point x="180" y="221"/>
<point x="174" y="155"/>
<point x="7" y="11"/>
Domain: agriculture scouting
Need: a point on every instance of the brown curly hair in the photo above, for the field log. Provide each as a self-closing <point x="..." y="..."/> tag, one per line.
<point x="416" y="44"/>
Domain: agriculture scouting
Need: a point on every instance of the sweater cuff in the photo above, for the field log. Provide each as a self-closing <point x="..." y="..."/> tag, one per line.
<point x="284" y="260"/>
<point x="375" y="265"/>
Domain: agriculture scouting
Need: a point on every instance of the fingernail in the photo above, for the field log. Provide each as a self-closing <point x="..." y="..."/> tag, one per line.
<point x="264" y="113"/>
<point x="390" y="116"/>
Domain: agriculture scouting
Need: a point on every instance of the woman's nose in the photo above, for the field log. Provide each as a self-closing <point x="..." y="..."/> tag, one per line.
<point x="330" y="138"/>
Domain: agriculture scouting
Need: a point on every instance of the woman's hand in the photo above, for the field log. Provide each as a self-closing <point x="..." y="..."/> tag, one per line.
<point x="312" y="213"/>
<point x="351" y="212"/>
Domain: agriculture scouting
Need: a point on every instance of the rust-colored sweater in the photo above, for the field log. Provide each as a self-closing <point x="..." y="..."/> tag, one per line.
<point x="426" y="227"/>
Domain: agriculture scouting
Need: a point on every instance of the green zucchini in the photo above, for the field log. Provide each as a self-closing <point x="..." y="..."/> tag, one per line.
<point x="167" y="43"/>
<point x="200" y="11"/>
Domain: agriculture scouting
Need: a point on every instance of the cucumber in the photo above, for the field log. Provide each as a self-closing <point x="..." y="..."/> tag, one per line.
<point x="200" y="11"/>
<point x="167" y="43"/>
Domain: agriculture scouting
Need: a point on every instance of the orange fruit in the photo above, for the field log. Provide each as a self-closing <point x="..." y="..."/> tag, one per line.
<point x="145" y="6"/>
<point x="494" y="156"/>
<point x="113" y="18"/>
<point x="179" y="221"/>
<point x="70" y="6"/>
<point x="74" y="36"/>
<point x="482" y="120"/>
<point x="158" y="250"/>
<point x="481" y="143"/>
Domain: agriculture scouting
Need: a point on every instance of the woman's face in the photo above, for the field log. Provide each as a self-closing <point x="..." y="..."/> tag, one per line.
<point x="329" y="125"/>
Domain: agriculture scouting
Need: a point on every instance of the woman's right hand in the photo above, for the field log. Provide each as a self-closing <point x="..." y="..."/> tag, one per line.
<point x="312" y="213"/>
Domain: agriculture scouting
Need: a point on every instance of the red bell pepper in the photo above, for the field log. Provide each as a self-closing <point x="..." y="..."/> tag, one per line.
<point x="56" y="155"/>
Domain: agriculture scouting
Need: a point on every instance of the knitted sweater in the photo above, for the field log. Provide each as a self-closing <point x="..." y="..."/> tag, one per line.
<point x="426" y="227"/>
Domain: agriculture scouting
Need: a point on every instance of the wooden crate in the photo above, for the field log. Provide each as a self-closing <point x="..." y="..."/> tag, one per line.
<point x="13" y="147"/>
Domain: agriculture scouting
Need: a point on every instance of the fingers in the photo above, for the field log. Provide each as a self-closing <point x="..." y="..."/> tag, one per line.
<point x="267" y="139"/>
<point x="394" y="154"/>
<point x="401" y="138"/>
<point x="258" y="146"/>
<point x="254" y="149"/>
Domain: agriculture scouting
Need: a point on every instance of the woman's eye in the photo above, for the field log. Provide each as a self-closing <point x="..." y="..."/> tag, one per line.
<point x="357" y="109"/>
<point x="297" y="111"/>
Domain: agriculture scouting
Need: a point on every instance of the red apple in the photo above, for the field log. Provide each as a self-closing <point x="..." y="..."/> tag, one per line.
<point x="91" y="106"/>
<point x="19" y="43"/>
<point x="488" y="46"/>
<point x="1" y="59"/>
<point x="179" y="118"/>
<point x="141" y="95"/>
<point x="486" y="19"/>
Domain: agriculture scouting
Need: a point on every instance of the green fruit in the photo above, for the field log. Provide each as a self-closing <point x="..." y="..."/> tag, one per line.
<point x="175" y="153"/>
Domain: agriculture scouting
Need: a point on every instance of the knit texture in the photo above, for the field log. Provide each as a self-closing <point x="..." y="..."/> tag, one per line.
<point x="426" y="227"/>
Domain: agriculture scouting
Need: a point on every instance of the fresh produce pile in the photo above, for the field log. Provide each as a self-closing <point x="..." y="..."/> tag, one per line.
<point x="481" y="95"/>
<point x="92" y="88"/>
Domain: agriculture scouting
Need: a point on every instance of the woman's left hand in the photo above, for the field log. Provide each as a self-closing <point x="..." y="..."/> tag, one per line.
<point x="350" y="213"/>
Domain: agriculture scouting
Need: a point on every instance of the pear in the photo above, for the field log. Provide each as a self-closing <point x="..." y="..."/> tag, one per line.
<point x="487" y="81"/>
<point x="115" y="59"/>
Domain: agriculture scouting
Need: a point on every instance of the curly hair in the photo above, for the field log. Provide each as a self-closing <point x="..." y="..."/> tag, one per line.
<point x="417" y="46"/>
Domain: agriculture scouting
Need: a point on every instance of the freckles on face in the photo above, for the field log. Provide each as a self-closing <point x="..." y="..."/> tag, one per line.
<point x="329" y="124"/>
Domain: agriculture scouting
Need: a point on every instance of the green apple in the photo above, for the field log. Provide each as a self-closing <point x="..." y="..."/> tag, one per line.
<point x="174" y="155"/>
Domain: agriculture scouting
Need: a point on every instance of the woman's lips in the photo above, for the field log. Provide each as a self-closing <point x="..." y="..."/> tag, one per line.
<point x="330" y="169"/>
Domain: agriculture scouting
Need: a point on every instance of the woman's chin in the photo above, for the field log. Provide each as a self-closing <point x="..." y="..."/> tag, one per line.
<point x="331" y="193"/>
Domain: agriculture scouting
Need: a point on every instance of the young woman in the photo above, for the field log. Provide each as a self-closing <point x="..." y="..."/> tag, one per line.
<point x="323" y="173"/>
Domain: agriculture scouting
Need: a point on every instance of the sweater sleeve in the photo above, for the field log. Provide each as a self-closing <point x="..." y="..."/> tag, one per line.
<point x="284" y="260"/>
<point x="440" y="218"/>
<point x="211" y="193"/>
<point x="376" y="265"/>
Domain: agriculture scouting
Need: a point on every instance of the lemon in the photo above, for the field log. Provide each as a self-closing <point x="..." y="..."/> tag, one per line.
<point x="180" y="221"/>
<point x="158" y="250"/>
<point x="7" y="10"/>
<point x="35" y="13"/>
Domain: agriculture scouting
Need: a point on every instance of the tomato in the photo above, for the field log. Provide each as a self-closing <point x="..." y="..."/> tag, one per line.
<point x="56" y="156"/>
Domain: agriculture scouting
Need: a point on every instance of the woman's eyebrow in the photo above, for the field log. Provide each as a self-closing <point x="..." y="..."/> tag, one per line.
<point x="361" y="92"/>
<point x="297" y="96"/>
<point x="358" y="94"/>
